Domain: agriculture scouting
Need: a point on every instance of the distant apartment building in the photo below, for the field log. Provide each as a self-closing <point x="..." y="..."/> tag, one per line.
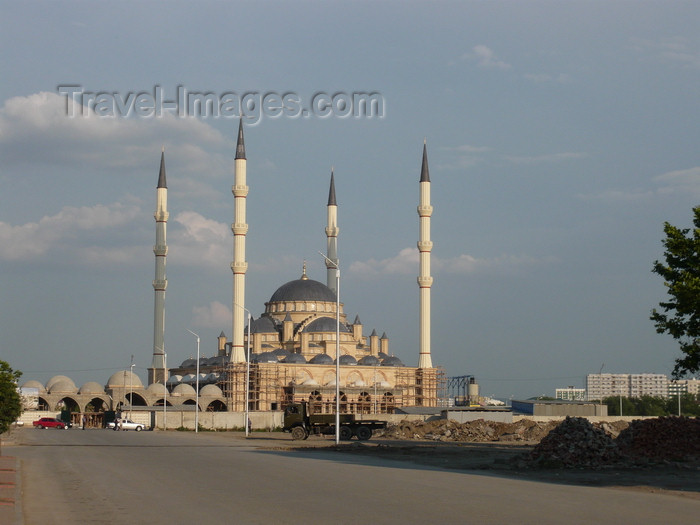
<point x="684" y="386"/>
<point x="599" y="386"/>
<point x="571" y="394"/>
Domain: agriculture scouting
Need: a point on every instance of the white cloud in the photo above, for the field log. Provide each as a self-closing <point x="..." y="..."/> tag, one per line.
<point x="204" y="242"/>
<point x="486" y="58"/>
<point x="37" y="129"/>
<point x="214" y="315"/>
<point x="680" y="182"/>
<point x="406" y="262"/>
<point x="59" y="232"/>
<point x="675" y="51"/>
<point x="550" y="157"/>
<point x="685" y="182"/>
<point x="544" y="78"/>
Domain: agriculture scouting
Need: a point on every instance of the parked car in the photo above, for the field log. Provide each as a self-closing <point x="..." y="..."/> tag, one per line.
<point x="50" y="422"/>
<point x="127" y="424"/>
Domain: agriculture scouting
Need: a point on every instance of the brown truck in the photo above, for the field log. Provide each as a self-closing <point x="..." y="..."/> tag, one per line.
<point x="301" y="424"/>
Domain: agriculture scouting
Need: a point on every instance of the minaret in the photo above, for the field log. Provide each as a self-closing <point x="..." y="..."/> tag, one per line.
<point x="239" y="266"/>
<point x="425" y="281"/>
<point x="332" y="237"/>
<point x="157" y="372"/>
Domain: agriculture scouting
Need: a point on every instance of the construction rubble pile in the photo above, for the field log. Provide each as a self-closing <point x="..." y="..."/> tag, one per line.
<point x="524" y="430"/>
<point x="574" y="442"/>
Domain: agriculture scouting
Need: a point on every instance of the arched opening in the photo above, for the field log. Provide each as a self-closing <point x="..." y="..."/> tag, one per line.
<point x="159" y="403"/>
<point x="216" y="406"/>
<point x="387" y="405"/>
<point x="315" y="402"/>
<point x="343" y="403"/>
<point x="364" y="403"/>
<point x="138" y="400"/>
<point x="191" y="402"/>
<point x="43" y="404"/>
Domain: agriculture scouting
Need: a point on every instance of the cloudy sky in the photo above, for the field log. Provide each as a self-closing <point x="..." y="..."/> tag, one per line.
<point x="561" y="136"/>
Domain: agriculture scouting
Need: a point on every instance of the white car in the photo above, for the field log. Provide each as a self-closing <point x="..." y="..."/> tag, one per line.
<point x="127" y="424"/>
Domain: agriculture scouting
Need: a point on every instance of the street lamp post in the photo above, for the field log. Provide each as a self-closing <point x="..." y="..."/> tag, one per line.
<point x="196" y="405"/>
<point x="247" y="372"/>
<point x="337" y="347"/>
<point x="165" y="391"/>
<point x="131" y="388"/>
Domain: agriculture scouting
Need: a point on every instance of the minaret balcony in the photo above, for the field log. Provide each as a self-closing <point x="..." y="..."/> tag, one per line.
<point x="239" y="228"/>
<point x="425" y="246"/>
<point x="332" y="232"/>
<point x="239" y="190"/>
<point x="425" y="281"/>
<point x="160" y="284"/>
<point x="161" y="250"/>
<point x="425" y="210"/>
<point x="239" y="267"/>
<point x="161" y="216"/>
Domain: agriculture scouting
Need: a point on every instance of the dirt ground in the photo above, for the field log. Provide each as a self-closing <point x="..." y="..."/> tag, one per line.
<point x="501" y="459"/>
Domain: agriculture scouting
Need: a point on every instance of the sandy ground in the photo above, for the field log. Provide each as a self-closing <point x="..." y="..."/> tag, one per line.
<point x="500" y="459"/>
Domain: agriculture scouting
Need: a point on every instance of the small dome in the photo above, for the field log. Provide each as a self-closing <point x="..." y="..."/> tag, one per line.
<point x="188" y="379"/>
<point x="63" y="387"/>
<point x="56" y="379"/>
<point x="174" y="379"/>
<point x="184" y="390"/>
<point x="91" y="387"/>
<point x="281" y="352"/>
<point x="392" y="361"/>
<point x="264" y="357"/>
<point x="369" y="360"/>
<point x="124" y="379"/>
<point x="382" y="355"/>
<point x="321" y="359"/>
<point x="310" y="382"/>
<point x="303" y="289"/>
<point x="263" y="325"/>
<point x="33" y="383"/>
<point x="347" y="359"/>
<point x="294" y="358"/>
<point x="189" y="363"/>
<point x="156" y="389"/>
<point x="212" y="378"/>
<point x="325" y="324"/>
<point x="211" y="390"/>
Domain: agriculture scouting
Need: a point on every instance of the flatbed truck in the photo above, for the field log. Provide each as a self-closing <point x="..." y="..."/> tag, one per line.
<point x="301" y="423"/>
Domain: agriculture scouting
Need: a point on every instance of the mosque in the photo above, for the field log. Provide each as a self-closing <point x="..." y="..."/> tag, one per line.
<point x="290" y="353"/>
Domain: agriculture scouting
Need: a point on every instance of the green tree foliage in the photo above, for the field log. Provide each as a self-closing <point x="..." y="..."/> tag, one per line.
<point x="680" y="315"/>
<point x="10" y="402"/>
<point x="653" y="406"/>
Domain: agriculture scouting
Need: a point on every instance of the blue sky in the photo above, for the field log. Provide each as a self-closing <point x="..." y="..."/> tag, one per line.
<point x="561" y="135"/>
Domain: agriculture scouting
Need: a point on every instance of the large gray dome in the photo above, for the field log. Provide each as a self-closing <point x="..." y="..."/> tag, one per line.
<point x="303" y="290"/>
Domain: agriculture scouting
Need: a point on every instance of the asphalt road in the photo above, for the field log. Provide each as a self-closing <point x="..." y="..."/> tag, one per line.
<point x="101" y="476"/>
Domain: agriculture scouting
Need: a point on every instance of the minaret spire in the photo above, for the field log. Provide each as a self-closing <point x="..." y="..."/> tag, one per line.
<point x="425" y="281"/>
<point x="239" y="266"/>
<point x="157" y="372"/>
<point x="332" y="236"/>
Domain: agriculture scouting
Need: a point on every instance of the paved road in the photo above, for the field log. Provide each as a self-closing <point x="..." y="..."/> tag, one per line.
<point x="100" y="476"/>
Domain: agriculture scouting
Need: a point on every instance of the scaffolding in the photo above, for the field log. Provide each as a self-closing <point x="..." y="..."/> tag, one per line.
<point x="422" y="387"/>
<point x="272" y="386"/>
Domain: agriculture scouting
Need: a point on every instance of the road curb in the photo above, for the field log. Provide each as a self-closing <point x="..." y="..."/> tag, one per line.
<point x="10" y="504"/>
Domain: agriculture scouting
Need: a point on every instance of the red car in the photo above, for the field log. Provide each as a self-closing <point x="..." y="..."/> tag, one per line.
<point x="50" y="422"/>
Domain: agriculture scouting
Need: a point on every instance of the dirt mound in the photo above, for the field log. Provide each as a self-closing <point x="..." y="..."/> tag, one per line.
<point x="575" y="442"/>
<point x="472" y="431"/>
<point x="664" y="438"/>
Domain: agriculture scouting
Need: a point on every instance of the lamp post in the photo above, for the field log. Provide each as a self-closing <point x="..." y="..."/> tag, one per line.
<point x="247" y="372"/>
<point x="165" y="391"/>
<point x="131" y="388"/>
<point x="337" y="346"/>
<point x="196" y="405"/>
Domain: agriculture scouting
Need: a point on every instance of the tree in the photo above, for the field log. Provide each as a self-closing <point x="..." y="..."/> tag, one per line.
<point x="10" y="402"/>
<point x="680" y="315"/>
